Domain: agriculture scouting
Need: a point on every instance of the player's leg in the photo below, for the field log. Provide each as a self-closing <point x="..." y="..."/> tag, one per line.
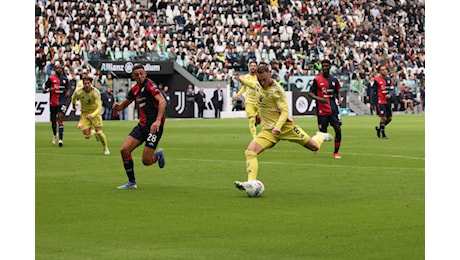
<point x="252" y="164"/>
<point x="126" y="149"/>
<point x="252" y="126"/>
<point x="381" y="127"/>
<point x="102" y="138"/>
<point x="315" y="142"/>
<point x="388" y="118"/>
<point x="60" y="117"/>
<point x="385" y="119"/>
<point x="336" y="123"/>
<point x="251" y="112"/>
<point x="263" y="140"/>
<point x="85" y="125"/>
<point x="337" y="140"/>
<point x="53" y="117"/>
<point x="86" y="133"/>
<point x="322" y="127"/>
<point x="149" y="156"/>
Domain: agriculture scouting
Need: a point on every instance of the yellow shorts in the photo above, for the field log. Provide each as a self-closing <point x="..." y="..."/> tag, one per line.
<point x="86" y="123"/>
<point x="252" y="109"/>
<point x="290" y="132"/>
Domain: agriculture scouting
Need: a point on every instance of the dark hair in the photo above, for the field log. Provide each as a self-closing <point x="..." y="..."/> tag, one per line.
<point x="138" y="66"/>
<point x="326" y="61"/>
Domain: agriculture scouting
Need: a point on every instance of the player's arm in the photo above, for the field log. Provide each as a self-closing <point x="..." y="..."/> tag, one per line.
<point x="75" y="96"/>
<point x="240" y="92"/>
<point x="118" y="106"/>
<point x="283" y="108"/>
<point x="67" y="88"/>
<point x="248" y="82"/>
<point x="314" y="90"/>
<point x="97" y="102"/>
<point x="47" y="86"/>
<point x="155" y="127"/>
<point x="337" y="92"/>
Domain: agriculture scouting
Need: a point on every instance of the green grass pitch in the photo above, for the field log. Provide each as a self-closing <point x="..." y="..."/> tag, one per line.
<point x="368" y="205"/>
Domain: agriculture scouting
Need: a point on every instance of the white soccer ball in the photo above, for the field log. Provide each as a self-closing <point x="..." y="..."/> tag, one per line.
<point x="255" y="188"/>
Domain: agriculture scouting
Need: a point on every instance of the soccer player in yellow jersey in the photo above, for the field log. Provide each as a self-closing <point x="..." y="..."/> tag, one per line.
<point x="79" y="86"/>
<point x="90" y="100"/>
<point x="252" y="109"/>
<point x="274" y="112"/>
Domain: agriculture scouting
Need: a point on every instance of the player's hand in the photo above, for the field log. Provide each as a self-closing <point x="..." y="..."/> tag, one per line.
<point x="155" y="127"/>
<point x="89" y="116"/>
<point x="115" y="106"/>
<point x="276" y="131"/>
<point x="322" y="100"/>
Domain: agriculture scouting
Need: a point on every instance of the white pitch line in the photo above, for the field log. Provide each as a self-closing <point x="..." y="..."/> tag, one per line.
<point x="261" y="162"/>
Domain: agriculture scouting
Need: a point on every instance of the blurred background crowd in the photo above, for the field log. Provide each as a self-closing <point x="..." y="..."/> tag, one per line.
<point x="214" y="40"/>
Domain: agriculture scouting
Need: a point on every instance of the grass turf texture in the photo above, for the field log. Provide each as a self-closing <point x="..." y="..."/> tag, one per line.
<point x="367" y="205"/>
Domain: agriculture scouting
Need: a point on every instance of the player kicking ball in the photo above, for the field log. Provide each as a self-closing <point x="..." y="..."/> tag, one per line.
<point x="274" y="112"/>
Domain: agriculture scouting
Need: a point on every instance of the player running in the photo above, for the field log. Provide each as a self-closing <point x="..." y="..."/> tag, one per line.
<point x="58" y="86"/>
<point x="325" y="89"/>
<point x="150" y="127"/>
<point x="274" y="111"/>
<point x="90" y="100"/>
<point x="252" y="110"/>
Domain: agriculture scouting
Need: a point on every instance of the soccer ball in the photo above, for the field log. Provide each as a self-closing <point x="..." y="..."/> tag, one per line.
<point x="255" y="188"/>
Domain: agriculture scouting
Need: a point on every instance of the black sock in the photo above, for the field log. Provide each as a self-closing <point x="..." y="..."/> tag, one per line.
<point x="129" y="168"/>
<point x="61" y="131"/>
<point x="382" y="129"/>
<point x="54" y="128"/>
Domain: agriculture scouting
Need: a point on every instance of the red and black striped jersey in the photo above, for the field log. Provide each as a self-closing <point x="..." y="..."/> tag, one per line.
<point x="383" y="87"/>
<point x="325" y="88"/>
<point x="57" y="88"/>
<point x="148" y="105"/>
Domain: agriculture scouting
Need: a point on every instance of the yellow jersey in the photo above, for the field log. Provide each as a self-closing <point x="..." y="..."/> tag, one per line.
<point x="273" y="106"/>
<point x="79" y="85"/>
<point x="90" y="102"/>
<point x="251" y="93"/>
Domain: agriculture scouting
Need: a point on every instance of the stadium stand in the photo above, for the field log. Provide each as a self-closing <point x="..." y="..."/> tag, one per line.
<point x="210" y="35"/>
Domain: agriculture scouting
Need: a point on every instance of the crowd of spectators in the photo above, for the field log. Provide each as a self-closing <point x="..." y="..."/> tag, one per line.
<point x="212" y="39"/>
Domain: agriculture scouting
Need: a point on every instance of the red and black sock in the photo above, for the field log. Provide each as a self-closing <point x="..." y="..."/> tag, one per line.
<point x="129" y="168"/>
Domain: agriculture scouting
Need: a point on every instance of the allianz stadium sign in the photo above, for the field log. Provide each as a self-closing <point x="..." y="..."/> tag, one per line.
<point x="125" y="68"/>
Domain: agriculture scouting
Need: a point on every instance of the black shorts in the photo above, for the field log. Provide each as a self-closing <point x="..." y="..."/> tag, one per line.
<point x="325" y="120"/>
<point x="384" y="110"/>
<point x="142" y="133"/>
<point x="57" y="109"/>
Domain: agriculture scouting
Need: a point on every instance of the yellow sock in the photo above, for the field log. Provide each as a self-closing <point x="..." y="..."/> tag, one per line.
<point x="252" y="165"/>
<point x="252" y="126"/>
<point x="319" y="139"/>
<point x="102" y="138"/>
